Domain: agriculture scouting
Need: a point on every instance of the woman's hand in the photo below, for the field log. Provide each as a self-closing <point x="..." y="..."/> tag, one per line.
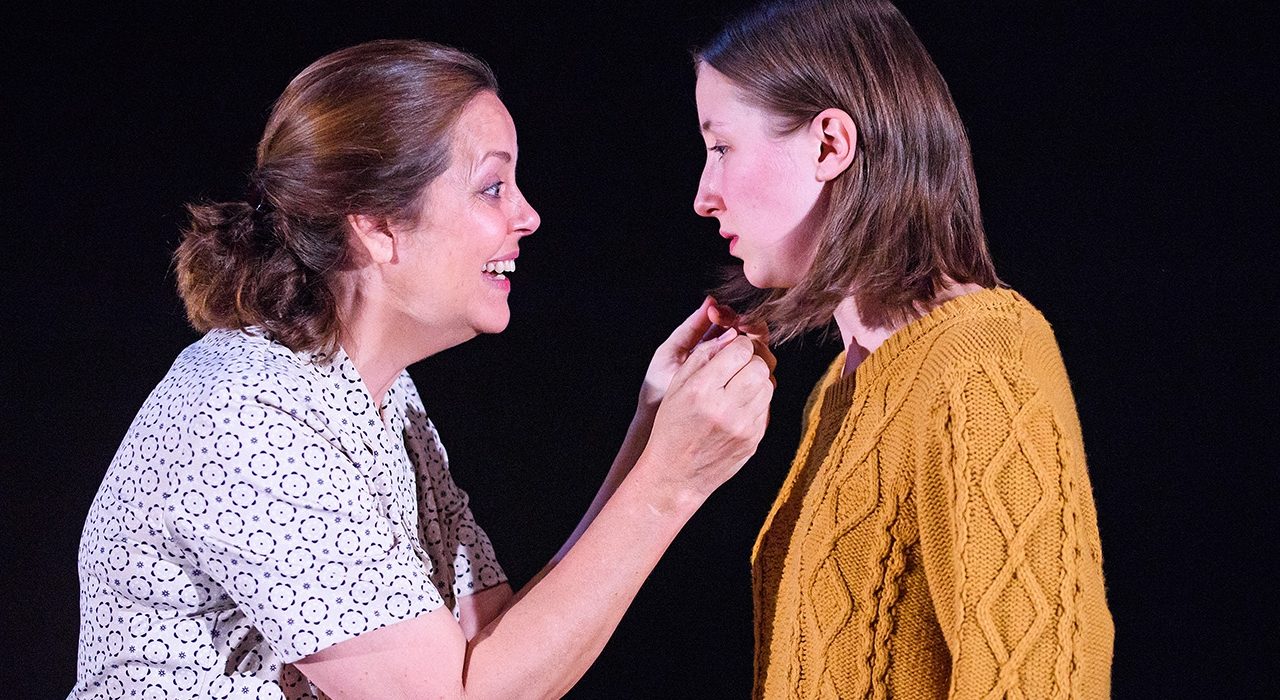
<point x="672" y="354"/>
<point x="712" y="419"/>
<point x="708" y="322"/>
<point x="723" y="317"/>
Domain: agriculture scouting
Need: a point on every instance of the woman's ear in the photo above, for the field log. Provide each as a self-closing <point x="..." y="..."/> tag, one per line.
<point x="837" y="138"/>
<point x="372" y="235"/>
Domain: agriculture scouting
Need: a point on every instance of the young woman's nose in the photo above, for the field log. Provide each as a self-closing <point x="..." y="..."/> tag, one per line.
<point x="706" y="202"/>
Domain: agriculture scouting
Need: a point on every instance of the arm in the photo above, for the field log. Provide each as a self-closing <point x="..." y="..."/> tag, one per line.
<point x="709" y="320"/>
<point x="478" y="610"/>
<point x="999" y="503"/>
<point x="628" y="454"/>
<point x="482" y="608"/>
<point x="704" y="430"/>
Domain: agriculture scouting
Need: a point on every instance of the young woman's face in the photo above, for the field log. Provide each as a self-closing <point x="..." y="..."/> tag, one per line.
<point x="762" y="188"/>
<point x="470" y="224"/>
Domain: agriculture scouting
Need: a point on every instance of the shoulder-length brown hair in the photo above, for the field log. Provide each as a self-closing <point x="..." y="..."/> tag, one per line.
<point x="363" y="129"/>
<point x="905" y="215"/>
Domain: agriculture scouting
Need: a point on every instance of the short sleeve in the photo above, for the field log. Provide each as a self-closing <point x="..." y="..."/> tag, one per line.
<point x="285" y="521"/>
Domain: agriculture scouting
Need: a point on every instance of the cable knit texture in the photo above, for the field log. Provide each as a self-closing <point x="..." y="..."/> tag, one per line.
<point x="936" y="537"/>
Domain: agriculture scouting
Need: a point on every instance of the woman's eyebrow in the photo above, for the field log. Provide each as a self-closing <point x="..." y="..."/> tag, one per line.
<point x="502" y="155"/>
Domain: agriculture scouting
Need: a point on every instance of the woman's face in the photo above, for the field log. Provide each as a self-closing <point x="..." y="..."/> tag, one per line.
<point x="762" y="188"/>
<point x="451" y="282"/>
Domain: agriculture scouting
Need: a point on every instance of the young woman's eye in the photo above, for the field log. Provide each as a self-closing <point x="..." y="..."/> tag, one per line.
<point x="719" y="148"/>
<point x="494" y="190"/>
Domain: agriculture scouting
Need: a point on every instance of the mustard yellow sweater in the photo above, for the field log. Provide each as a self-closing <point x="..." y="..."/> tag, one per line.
<point x="936" y="536"/>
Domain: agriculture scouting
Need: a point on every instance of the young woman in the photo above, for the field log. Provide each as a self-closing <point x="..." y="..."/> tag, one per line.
<point x="279" y="520"/>
<point x="936" y="536"/>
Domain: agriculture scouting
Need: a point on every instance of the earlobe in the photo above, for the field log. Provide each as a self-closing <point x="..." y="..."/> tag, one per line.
<point x="372" y="236"/>
<point x="837" y="137"/>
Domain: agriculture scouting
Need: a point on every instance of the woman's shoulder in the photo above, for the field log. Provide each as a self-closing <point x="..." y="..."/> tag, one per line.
<point x="228" y="367"/>
<point x="999" y="333"/>
<point x="989" y="324"/>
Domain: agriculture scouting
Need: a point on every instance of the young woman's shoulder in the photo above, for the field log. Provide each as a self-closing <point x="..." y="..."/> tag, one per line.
<point x="1000" y="337"/>
<point x="992" y="325"/>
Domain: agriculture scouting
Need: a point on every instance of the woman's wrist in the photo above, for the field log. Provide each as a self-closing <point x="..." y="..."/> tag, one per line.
<point x="649" y="401"/>
<point x="646" y="410"/>
<point x="665" y="495"/>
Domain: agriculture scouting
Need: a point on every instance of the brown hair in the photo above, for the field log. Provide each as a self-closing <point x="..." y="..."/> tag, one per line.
<point x="363" y="129"/>
<point x="904" y="216"/>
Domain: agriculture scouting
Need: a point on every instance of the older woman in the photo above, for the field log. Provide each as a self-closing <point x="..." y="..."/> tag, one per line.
<point x="279" y="520"/>
<point x="936" y="536"/>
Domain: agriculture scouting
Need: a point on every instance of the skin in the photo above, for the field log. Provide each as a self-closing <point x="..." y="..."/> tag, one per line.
<point x="767" y="191"/>
<point x="418" y="289"/>
<point x="759" y="185"/>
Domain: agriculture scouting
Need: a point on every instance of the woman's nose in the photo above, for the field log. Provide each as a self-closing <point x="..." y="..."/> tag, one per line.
<point x="527" y="220"/>
<point x="706" y="202"/>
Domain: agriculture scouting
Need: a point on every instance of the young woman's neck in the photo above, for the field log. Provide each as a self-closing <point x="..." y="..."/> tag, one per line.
<point x="862" y="338"/>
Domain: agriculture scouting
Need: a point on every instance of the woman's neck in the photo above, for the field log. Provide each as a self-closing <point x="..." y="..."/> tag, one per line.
<point x="862" y="338"/>
<point x="859" y="337"/>
<point x="372" y="338"/>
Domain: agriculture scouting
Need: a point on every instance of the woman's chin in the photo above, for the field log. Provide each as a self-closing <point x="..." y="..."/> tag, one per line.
<point x="494" y="322"/>
<point x="763" y="278"/>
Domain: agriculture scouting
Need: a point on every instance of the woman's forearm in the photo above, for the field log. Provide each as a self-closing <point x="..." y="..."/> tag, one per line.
<point x="632" y="446"/>
<point x="558" y="624"/>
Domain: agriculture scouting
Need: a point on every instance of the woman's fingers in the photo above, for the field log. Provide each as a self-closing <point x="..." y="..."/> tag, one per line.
<point x="726" y="358"/>
<point x="714" y="331"/>
<point x="761" y="344"/>
<point x="749" y="381"/>
<point x="715" y="414"/>
<point x="692" y="330"/>
<point x="702" y="355"/>
<point x="722" y="315"/>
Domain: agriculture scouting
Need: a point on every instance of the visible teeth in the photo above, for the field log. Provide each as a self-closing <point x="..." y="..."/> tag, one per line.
<point x="499" y="266"/>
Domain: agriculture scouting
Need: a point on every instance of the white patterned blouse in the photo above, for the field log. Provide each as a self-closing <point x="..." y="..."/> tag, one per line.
<point x="260" y="509"/>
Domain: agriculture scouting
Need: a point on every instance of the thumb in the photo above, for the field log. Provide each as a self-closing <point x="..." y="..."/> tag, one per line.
<point x="722" y="315"/>
<point x="683" y="339"/>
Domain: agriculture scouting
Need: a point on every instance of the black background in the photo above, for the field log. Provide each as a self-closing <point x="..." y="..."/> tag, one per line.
<point x="1120" y="157"/>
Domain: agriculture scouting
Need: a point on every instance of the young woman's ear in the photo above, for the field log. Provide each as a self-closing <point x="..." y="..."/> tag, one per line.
<point x="837" y="138"/>
<point x="372" y="236"/>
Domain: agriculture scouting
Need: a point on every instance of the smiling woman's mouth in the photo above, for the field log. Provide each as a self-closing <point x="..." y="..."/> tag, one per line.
<point x="497" y="268"/>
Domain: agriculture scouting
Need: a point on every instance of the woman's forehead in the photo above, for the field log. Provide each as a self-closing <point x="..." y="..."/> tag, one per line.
<point x="485" y="126"/>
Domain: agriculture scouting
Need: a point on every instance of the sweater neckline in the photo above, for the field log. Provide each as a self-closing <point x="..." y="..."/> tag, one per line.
<point x="842" y="389"/>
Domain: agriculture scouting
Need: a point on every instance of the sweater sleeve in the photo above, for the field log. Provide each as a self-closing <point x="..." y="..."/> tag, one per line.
<point x="1006" y="548"/>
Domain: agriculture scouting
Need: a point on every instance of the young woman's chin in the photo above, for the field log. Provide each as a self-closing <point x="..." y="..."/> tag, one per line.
<point x="764" y="278"/>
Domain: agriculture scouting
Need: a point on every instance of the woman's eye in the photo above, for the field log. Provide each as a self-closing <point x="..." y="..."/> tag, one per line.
<point x="494" y="190"/>
<point x="719" y="148"/>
